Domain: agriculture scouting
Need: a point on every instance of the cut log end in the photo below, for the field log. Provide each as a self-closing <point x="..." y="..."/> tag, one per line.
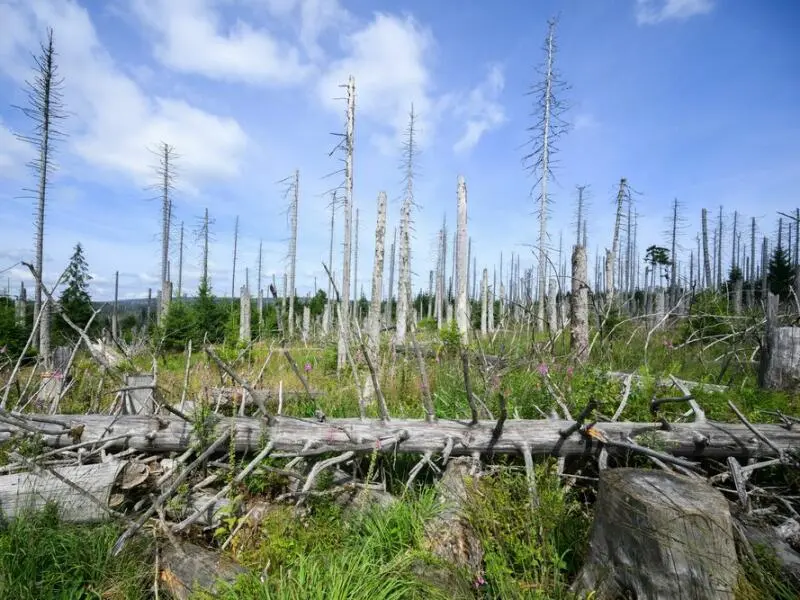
<point x="659" y="535"/>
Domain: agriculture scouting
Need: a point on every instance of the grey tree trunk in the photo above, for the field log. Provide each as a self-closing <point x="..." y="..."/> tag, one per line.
<point x="706" y="261"/>
<point x="180" y="264"/>
<point x="21" y="307"/>
<point x="235" y="253"/>
<point x="390" y="294"/>
<point x="328" y="316"/>
<point x="205" y="235"/>
<point x="485" y="303"/>
<point x="462" y="313"/>
<point x="165" y="175"/>
<point x="374" y="326"/>
<point x="579" y="305"/>
<point x="115" y="311"/>
<point x="306" y="323"/>
<point x="344" y="310"/>
<point x="356" y="295"/>
<point x="245" y="306"/>
<point x="293" y="247"/>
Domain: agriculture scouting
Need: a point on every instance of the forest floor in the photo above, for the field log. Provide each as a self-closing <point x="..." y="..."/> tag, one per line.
<point x="333" y="552"/>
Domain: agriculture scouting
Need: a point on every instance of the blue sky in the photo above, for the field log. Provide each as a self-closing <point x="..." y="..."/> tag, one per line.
<point x="691" y="99"/>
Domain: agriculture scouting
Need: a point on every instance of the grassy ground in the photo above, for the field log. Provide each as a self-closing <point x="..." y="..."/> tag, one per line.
<point x="329" y="553"/>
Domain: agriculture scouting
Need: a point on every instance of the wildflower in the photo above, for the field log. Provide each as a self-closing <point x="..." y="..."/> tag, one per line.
<point x="543" y="369"/>
<point x="479" y="581"/>
<point x="307" y="368"/>
<point x="570" y="371"/>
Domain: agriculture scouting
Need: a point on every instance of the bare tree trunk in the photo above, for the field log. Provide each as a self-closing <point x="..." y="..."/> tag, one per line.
<point x="374" y="327"/>
<point x="260" y="289"/>
<point x="356" y="295"/>
<point x="612" y="255"/>
<point x="706" y="262"/>
<point x="293" y="248"/>
<point x="344" y="310"/>
<point x="204" y="232"/>
<point x="235" y="252"/>
<point x="245" y="307"/>
<point x="180" y="264"/>
<point x="45" y="110"/>
<point x="404" y="282"/>
<point x="720" y="280"/>
<point x="115" y="311"/>
<point x="165" y="175"/>
<point x="328" y="317"/>
<point x="462" y="315"/>
<point x="485" y="303"/>
<point x="579" y="309"/>
<point x="390" y="294"/>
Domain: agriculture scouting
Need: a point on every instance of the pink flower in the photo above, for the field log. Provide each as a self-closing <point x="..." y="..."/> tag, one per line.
<point x="570" y="371"/>
<point x="308" y="368"/>
<point x="543" y="369"/>
<point x="479" y="581"/>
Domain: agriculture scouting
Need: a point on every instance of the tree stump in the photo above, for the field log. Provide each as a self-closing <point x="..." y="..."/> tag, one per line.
<point x="659" y="536"/>
<point x="781" y="361"/>
<point x="190" y="567"/>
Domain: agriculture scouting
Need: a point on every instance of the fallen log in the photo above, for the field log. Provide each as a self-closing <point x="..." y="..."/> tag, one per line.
<point x="189" y="567"/>
<point x="659" y="535"/>
<point x="667" y="382"/>
<point x="291" y="436"/>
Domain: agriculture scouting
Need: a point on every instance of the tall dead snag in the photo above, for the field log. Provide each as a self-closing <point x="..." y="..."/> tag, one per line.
<point x="579" y="305"/>
<point x="235" y="254"/>
<point x="552" y="312"/>
<point x="327" y="318"/>
<point x="180" y="263"/>
<point x="462" y="314"/>
<point x="21" y="306"/>
<point x="293" y="190"/>
<point x="374" y="324"/>
<point x="115" y="310"/>
<point x="165" y="185"/>
<point x="245" y="307"/>
<point x="543" y="136"/>
<point x="611" y="256"/>
<point x="706" y="258"/>
<point x="485" y="303"/>
<point x="344" y="310"/>
<point x="404" y="280"/>
<point x="45" y="109"/>
<point x="659" y="535"/>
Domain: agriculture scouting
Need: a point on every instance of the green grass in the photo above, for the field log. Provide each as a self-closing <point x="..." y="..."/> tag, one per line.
<point x="42" y="559"/>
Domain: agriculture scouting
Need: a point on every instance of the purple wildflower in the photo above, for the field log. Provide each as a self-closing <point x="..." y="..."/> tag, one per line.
<point x="307" y="368"/>
<point x="543" y="369"/>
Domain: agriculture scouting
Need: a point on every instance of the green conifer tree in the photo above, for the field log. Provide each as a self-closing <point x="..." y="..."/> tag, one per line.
<point x="75" y="300"/>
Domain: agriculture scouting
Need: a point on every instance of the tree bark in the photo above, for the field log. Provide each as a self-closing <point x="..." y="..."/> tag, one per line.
<point x="659" y="536"/>
<point x="579" y="309"/>
<point x="462" y="313"/>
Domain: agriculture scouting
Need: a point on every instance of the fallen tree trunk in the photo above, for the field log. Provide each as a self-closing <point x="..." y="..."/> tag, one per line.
<point x="667" y="382"/>
<point x="291" y="436"/>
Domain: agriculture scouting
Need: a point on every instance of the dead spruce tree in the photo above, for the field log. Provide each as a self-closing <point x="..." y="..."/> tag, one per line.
<point x="374" y="323"/>
<point x="328" y="317"/>
<point x="293" y="193"/>
<point x="404" y="279"/>
<point x="45" y="109"/>
<point x="344" y="310"/>
<point x="180" y="263"/>
<point x="706" y="258"/>
<point x="611" y="256"/>
<point x="235" y="252"/>
<point x="165" y="185"/>
<point x="462" y="313"/>
<point x="543" y="136"/>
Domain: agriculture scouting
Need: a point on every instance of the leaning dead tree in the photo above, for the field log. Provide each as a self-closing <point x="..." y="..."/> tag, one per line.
<point x="45" y="109"/>
<point x="542" y="143"/>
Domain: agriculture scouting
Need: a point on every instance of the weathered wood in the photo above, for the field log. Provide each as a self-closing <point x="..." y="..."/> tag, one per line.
<point x="138" y="396"/>
<point x="788" y="558"/>
<point x="32" y="491"/>
<point x="190" y="567"/>
<point x="659" y="536"/>
<point x="707" y="439"/>
<point x="781" y="364"/>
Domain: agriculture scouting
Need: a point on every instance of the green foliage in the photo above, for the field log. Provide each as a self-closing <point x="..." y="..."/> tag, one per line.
<point x="707" y="316"/>
<point x="428" y="324"/>
<point x="781" y="273"/>
<point x="317" y="303"/>
<point x="12" y="336"/>
<point x="178" y="327"/>
<point x="377" y="554"/>
<point x="209" y="317"/>
<point x="43" y="559"/>
<point x="528" y="554"/>
<point x="450" y="338"/>
<point x="75" y="301"/>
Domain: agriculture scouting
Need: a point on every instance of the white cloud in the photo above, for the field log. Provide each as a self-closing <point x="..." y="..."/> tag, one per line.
<point x="650" y="12"/>
<point x="481" y="109"/>
<point x="585" y="121"/>
<point x="112" y="121"/>
<point x="314" y="18"/>
<point x="192" y="40"/>
<point x="387" y="59"/>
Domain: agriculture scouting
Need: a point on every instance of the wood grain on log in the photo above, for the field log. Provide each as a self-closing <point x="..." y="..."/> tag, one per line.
<point x="708" y="439"/>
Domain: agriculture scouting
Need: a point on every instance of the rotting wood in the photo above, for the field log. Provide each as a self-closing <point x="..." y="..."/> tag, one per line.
<point x="289" y="435"/>
<point x="190" y="567"/>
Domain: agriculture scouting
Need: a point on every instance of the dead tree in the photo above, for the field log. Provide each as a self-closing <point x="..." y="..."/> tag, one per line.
<point x="374" y="325"/>
<point x="706" y="262"/>
<point x="292" y="191"/>
<point x="344" y="310"/>
<point x="542" y="143"/>
<point x="45" y="109"/>
<point x="404" y="279"/>
<point x="165" y="185"/>
<point x="235" y="252"/>
<point x="462" y="315"/>
<point x="579" y="305"/>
